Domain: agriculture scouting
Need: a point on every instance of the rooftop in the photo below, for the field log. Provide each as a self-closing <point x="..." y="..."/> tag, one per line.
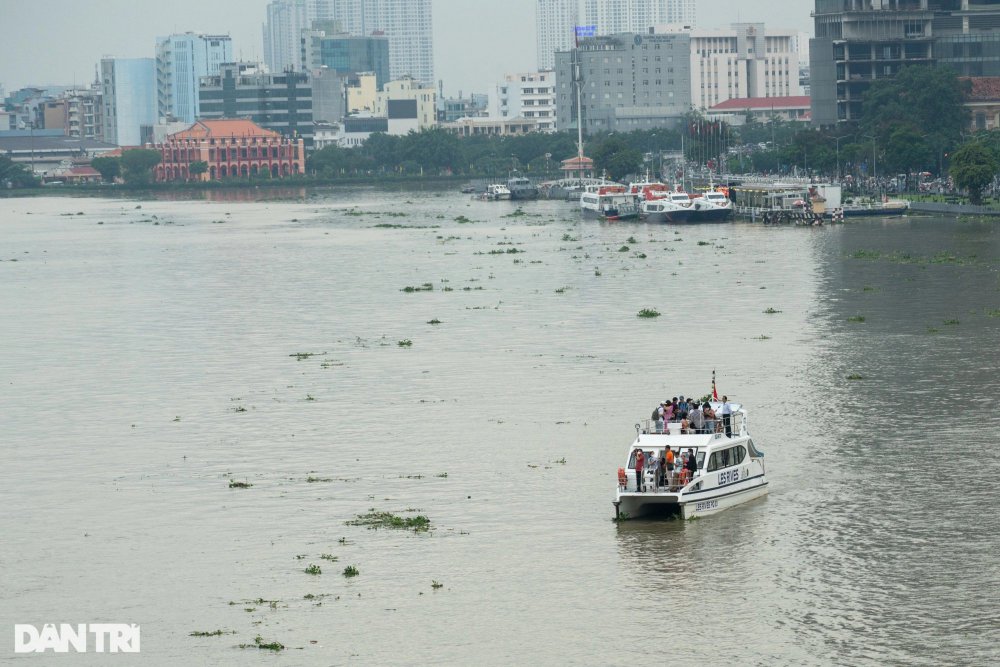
<point x="764" y="103"/>
<point x="210" y="129"/>
<point x="984" y="88"/>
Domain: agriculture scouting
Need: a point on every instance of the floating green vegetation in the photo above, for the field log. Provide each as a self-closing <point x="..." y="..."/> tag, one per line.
<point x="314" y="480"/>
<point x="631" y="240"/>
<point x="624" y="248"/>
<point x="258" y="642"/>
<point x="597" y="272"/>
<point x="329" y="557"/>
<point x="855" y="376"/>
<point x="441" y="474"/>
<point x="857" y="319"/>
<point x="508" y="251"/>
<point x="426" y="287"/>
<point x="351" y="571"/>
<point x="761" y="337"/>
<point x="952" y="322"/>
<point x="239" y="408"/>
<point x="561" y="290"/>
<point x="993" y="313"/>
<point x="771" y="311"/>
<point x="649" y="313"/>
<point x="704" y="243"/>
<point x="434" y="321"/>
<point x="374" y="520"/>
<point x="562" y="460"/>
<point x="942" y="257"/>
<point x="313" y="569"/>
<point x="233" y="484"/>
<point x="570" y="238"/>
<point x="462" y="220"/>
<point x="435" y="584"/>
<point x="640" y="255"/>
<point x="933" y="330"/>
<point x="406" y="342"/>
<point x="299" y="556"/>
<point x="213" y="633"/>
<point x="869" y="288"/>
<point x="310" y="397"/>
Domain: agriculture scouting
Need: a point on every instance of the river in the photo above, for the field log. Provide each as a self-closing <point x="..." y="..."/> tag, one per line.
<point x="155" y="352"/>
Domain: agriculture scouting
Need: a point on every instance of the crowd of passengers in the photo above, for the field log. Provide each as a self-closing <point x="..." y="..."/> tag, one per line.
<point x="672" y="470"/>
<point x="694" y="416"/>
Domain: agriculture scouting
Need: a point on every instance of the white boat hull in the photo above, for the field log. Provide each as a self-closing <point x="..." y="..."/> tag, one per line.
<point x="633" y="505"/>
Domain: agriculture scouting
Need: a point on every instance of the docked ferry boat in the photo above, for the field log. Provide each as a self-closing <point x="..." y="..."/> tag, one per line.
<point x="522" y="188"/>
<point x="495" y="192"/>
<point x="609" y="202"/>
<point x="730" y="469"/>
<point x="711" y="206"/>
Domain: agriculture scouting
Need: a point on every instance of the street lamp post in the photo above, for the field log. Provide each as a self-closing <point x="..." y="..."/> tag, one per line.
<point x="837" y="139"/>
<point x="874" y="167"/>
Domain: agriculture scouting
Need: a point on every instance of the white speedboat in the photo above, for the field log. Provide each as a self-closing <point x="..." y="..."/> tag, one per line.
<point x="496" y="192"/>
<point x="711" y="206"/>
<point x="609" y="202"/>
<point x="730" y="469"/>
<point x="657" y="203"/>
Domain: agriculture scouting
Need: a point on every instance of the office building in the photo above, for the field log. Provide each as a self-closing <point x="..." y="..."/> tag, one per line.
<point x="453" y="108"/>
<point x="128" y="89"/>
<point x="745" y="61"/>
<point x="406" y="99"/>
<point x="529" y="95"/>
<point x="279" y="101"/>
<point x="181" y="61"/>
<point x="407" y="25"/>
<point x="860" y="41"/>
<point x="286" y="19"/>
<point x="629" y="82"/>
<point x="346" y="54"/>
<point x="555" y="26"/>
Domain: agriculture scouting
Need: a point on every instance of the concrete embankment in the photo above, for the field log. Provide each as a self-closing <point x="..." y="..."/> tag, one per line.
<point x="951" y="209"/>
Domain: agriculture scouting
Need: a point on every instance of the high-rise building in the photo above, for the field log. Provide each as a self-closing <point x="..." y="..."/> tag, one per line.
<point x="556" y="20"/>
<point x="860" y="41"/>
<point x="286" y="19"/>
<point x="346" y="54"/>
<point x="527" y="95"/>
<point x="621" y="87"/>
<point x="181" y="61"/>
<point x="555" y="26"/>
<point x="279" y="101"/>
<point x="407" y="25"/>
<point x="746" y="61"/>
<point x="128" y="88"/>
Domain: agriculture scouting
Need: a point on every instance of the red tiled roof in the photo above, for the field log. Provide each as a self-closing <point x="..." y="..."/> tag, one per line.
<point x="984" y="88"/>
<point x="83" y="171"/>
<point x="764" y="103"/>
<point x="241" y="127"/>
<point x="577" y="162"/>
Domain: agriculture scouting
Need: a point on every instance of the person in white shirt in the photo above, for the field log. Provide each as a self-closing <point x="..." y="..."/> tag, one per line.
<point x="727" y="416"/>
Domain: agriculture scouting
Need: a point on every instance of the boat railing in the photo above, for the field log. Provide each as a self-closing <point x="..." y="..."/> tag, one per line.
<point x="738" y="426"/>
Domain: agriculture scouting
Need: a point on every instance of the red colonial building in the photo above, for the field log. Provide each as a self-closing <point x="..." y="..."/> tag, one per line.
<point x="232" y="149"/>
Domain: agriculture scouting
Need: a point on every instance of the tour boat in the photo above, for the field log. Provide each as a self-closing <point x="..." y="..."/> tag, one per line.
<point x="664" y="210"/>
<point x="730" y="469"/>
<point x="496" y="192"/>
<point x="711" y="206"/>
<point x="609" y="202"/>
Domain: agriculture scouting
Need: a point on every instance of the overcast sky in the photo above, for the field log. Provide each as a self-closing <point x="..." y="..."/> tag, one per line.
<point x="475" y="41"/>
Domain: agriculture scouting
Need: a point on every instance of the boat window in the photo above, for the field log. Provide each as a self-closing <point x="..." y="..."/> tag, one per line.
<point x="713" y="462"/>
<point x="631" y="460"/>
<point x="753" y="450"/>
<point x="740" y="454"/>
<point x="700" y="457"/>
<point x="725" y="458"/>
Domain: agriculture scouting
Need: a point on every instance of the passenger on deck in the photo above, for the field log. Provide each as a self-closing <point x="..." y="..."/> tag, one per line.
<point x="668" y="411"/>
<point x="727" y="416"/>
<point x="709" y="417"/>
<point x="657" y="418"/>
<point x="691" y="465"/>
<point x="669" y="456"/>
<point x="640" y="465"/>
<point x="696" y="419"/>
<point x="682" y="406"/>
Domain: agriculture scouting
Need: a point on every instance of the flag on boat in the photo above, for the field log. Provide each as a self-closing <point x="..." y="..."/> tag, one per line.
<point x="715" y="392"/>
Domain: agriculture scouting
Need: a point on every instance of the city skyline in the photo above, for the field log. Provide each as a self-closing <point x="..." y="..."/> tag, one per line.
<point x="475" y="43"/>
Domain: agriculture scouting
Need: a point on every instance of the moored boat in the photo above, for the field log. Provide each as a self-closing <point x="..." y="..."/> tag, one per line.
<point x="730" y="469"/>
<point x="522" y="188"/>
<point x="664" y="210"/>
<point x="495" y="192"/>
<point x="610" y="202"/>
<point x="711" y="206"/>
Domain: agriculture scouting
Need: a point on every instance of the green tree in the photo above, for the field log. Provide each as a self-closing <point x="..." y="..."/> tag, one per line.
<point x="196" y="169"/>
<point x="973" y="167"/>
<point x="928" y="99"/>
<point x="137" y="165"/>
<point x="17" y="175"/>
<point x="109" y="167"/>
<point x="614" y="155"/>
